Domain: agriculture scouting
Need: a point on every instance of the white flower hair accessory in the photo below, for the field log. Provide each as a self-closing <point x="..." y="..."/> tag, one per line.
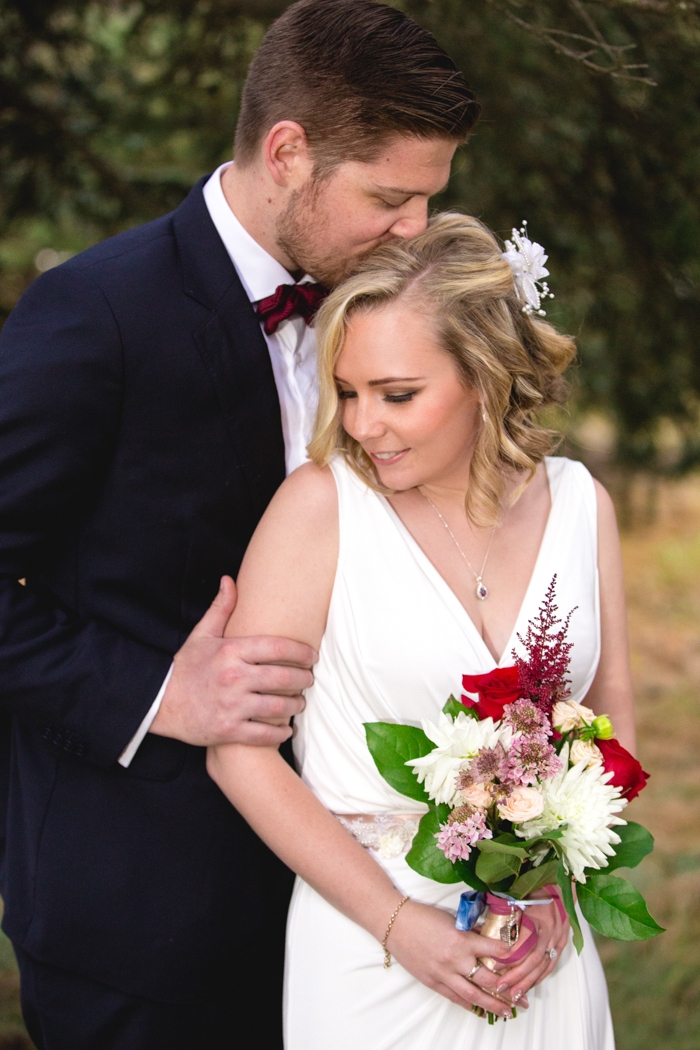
<point x="526" y="259"/>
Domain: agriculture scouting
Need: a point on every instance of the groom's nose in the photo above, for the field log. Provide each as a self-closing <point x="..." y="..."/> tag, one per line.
<point x="413" y="218"/>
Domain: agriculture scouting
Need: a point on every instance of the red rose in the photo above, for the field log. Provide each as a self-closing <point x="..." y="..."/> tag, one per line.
<point x="627" y="772"/>
<point x="496" y="689"/>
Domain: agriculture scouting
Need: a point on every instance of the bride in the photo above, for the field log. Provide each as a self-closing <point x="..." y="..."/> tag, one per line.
<point x="413" y="550"/>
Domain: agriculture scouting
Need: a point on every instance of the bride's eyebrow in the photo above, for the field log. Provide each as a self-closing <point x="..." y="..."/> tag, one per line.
<point x="389" y="379"/>
<point x="396" y="379"/>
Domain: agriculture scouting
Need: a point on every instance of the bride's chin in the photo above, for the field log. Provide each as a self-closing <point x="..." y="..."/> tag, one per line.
<point x="397" y="480"/>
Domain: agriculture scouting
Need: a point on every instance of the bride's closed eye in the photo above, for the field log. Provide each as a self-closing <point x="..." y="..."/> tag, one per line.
<point x="394" y="399"/>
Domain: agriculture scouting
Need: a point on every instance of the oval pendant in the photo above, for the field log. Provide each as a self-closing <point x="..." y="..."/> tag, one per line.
<point x="481" y="591"/>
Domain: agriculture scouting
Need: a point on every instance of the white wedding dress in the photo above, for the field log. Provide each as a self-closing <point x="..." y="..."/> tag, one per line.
<point x="396" y="645"/>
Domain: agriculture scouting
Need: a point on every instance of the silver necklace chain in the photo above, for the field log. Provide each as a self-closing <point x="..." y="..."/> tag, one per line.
<point x="482" y="591"/>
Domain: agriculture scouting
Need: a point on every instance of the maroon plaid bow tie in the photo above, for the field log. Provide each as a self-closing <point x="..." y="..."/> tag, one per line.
<point x="288" y="299"/>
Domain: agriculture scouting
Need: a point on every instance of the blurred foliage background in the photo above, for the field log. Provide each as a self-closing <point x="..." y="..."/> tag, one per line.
<point x="111" y="109"/>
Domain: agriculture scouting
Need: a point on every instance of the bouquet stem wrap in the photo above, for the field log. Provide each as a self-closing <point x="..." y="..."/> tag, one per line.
<point x="503" y="921"/>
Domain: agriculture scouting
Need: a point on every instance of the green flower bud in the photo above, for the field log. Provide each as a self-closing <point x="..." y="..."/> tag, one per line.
<point x="603" y="727"/>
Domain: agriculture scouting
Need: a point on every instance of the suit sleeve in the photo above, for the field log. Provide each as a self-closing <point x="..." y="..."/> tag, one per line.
<point x="85" y="685"/>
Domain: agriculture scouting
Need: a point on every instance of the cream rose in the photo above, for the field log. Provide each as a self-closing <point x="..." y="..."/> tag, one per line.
<point x="568" y="715"/>
<point x="523" y="803"/>
<point x="477" y="795"/>
<point x="585" y="751"/>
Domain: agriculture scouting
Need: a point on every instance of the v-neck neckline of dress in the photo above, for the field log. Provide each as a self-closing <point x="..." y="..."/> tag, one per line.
<point x="451" y="598"/>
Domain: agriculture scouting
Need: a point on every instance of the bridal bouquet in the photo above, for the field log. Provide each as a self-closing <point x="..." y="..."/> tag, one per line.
<point x="524" y="788"/>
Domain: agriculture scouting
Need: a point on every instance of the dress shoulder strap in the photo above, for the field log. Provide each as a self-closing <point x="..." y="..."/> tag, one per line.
<point x="358" y="505"/>
<point x="573" y="494"/>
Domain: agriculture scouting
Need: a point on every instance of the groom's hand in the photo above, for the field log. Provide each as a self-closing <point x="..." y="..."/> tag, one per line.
<point x="226" y="690"/>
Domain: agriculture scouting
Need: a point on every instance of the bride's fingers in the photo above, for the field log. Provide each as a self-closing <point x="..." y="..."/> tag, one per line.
<point x="470" y="994"/>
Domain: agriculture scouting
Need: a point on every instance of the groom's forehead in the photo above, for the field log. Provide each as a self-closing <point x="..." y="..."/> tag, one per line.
<point x="407" y="166"/>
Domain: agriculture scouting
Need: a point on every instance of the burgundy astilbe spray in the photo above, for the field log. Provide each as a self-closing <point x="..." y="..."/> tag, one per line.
<point x="543" y="675"/>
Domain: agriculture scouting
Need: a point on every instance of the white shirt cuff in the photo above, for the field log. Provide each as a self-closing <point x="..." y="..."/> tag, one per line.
<point x="135" y="742"/>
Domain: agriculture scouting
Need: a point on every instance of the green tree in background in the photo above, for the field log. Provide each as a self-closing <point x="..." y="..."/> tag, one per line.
<point x="110" y="110"/>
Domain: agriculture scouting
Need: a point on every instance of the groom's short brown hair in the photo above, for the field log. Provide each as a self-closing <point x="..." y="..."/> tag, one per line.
<point x="352" y="73"/>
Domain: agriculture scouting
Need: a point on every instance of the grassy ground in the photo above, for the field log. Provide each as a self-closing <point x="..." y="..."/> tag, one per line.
<point x="654" y="986"/>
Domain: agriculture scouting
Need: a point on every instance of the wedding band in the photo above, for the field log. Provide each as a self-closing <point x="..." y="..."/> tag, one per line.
<point x="552" y="953"/>
<point x="473" y="971"/>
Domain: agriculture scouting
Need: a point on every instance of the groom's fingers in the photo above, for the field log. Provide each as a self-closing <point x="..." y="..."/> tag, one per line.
<point x="271" y="678"/>
<point x="265" y="649"/>
<point x="219" y="686"/>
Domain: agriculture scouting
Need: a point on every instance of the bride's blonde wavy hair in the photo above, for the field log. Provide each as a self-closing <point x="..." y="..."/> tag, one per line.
<point x="455" y="271"/>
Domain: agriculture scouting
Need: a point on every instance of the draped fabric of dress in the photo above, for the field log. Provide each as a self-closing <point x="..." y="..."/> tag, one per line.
<point x="397" y="643"/>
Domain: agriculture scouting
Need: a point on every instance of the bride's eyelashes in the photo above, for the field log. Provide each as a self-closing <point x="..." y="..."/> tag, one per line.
<point x="393" y="399"/>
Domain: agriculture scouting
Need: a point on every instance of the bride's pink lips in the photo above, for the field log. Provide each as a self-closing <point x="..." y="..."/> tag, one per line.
<point x="390" y="460"/>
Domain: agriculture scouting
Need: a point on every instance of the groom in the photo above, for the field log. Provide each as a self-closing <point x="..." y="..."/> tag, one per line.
<point x="153" y="392"/>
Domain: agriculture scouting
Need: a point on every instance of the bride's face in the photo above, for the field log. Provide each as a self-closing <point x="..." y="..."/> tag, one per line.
<point x="404" y="400"/>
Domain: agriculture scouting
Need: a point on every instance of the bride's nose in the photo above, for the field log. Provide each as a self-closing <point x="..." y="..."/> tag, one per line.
<point x="364" y="419"/>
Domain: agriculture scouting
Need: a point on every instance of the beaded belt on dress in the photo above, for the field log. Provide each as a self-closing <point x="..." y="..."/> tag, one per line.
<point x="389" y="834"/>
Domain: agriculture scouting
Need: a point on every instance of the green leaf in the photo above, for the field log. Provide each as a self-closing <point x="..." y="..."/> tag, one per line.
<point x="424" y="855"/>
<point x="498" y="846"/>
<point x="616" y="908"/>
<point x="391" y="746"/>
<point x="494" y="867"/>
<point x="567" y="896"/>
<point x="509" y="838"/>
<point x="636" y="844"/>
<point x="454" y="708"/>
<point x="467" y="871"/>
<point x="535" y="879"/>
<point x="549" y="836"/>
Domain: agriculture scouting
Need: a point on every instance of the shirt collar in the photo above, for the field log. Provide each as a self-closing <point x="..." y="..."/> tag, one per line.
<point x="259" y="272"/>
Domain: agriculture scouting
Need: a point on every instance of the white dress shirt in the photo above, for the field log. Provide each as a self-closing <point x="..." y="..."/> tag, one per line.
<point x="292" y="350"/>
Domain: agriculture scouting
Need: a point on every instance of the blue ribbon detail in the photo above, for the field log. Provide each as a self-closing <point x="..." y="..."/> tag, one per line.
<point x="471" y="905"/>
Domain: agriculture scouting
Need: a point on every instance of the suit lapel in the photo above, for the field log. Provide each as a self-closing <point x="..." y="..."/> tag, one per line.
<point x="234" y="350"/>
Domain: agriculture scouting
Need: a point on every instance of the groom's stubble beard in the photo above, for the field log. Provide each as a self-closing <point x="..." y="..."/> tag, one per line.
<point x="302" y="232"/>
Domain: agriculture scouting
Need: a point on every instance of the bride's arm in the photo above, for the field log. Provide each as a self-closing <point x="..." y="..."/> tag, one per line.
<point x="285" y="586"/>
<point x="611" y="692"/>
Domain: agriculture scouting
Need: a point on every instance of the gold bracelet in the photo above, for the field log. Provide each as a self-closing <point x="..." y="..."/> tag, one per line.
<point x="387" y="954"/>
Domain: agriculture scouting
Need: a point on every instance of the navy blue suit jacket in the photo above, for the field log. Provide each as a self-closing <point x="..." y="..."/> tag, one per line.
<point x="140" y="442"/>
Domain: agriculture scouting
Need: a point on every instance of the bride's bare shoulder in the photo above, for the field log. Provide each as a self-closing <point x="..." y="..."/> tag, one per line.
<point x="309" y="491"/>
<point x="304" y="507"/>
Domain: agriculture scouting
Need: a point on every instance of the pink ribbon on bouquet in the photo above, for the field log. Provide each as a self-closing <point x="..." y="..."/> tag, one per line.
<point x="500" y="906"/>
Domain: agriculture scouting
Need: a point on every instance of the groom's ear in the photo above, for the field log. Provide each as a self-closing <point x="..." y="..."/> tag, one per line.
<point x="287" y="154"/>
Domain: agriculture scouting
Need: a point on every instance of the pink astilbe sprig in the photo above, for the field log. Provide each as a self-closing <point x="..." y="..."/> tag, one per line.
<point x="527" y="718"/>
<point x="465" y="827"/>
<point x="543" y="675"/>
<point x="531" y="758"/>
<point x="489" y="764"/>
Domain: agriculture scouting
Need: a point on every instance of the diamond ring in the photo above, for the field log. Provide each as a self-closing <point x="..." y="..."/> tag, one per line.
<point x="473" y="971"/>
<point x="552" y="953"/>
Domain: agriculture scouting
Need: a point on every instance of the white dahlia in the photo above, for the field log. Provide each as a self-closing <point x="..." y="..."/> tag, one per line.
<point x="581" y="802"/>
<point x="457" y="743"/>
